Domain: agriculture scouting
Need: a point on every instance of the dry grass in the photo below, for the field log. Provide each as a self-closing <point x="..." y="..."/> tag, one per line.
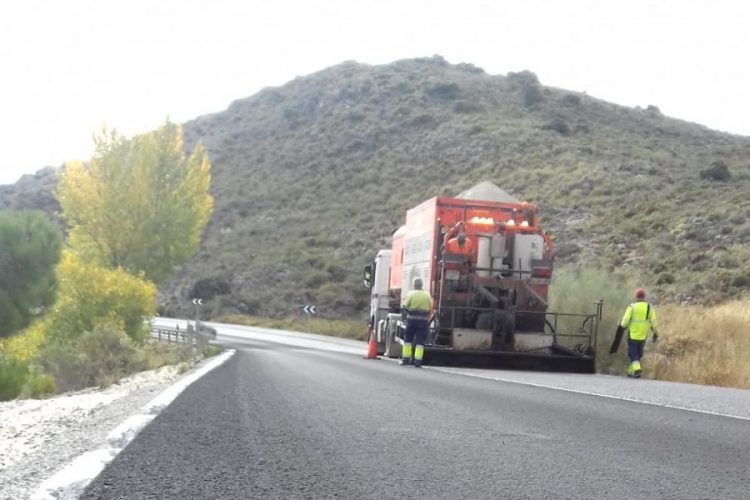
<point x="702" y="345"/>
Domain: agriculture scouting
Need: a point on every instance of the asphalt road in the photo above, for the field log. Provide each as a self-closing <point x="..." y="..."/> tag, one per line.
<point x="281" y="421"/>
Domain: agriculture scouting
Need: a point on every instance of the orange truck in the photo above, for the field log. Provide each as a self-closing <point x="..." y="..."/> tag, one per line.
<point x="488" y="266"/>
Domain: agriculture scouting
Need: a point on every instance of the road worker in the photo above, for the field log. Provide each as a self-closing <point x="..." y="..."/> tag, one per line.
<point x="639" y="318"/>
<point x="459" y="245"/>
<point x="417" y="307"/>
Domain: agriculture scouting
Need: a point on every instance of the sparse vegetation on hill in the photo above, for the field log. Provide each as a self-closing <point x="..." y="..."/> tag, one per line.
<point x="310" y="179"/>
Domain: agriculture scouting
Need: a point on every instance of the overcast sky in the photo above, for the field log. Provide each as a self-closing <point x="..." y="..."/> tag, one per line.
<point x="71" y="66"/>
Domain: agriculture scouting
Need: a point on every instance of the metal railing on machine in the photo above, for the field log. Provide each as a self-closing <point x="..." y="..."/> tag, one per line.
<point x="581" y="340"/>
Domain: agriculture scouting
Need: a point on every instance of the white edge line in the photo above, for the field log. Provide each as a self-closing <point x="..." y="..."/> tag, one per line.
<point x="72" y="479"/>
<point x="589" y="393"/>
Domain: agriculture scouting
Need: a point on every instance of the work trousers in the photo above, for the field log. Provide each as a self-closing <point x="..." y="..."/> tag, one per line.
<point x="635" y="349"/>
<point x="416" y="331"/>
<point x="635" y="353"/>
<point x="415" y="336"/>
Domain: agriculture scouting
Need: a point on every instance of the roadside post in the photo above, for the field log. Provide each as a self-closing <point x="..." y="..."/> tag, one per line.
<point x="196" y="334"/>
<point x="309" y="311"/>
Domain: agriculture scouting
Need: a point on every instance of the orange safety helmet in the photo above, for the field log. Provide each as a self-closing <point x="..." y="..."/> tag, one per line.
<point x="640" y="293"/>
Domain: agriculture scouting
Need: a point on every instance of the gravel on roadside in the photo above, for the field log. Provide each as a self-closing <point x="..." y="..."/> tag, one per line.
<point x="39" y="437"/>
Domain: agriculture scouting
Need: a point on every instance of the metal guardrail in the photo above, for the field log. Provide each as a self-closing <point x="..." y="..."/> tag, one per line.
<point x="168" y="334"/>
<point x="184" y="336"/>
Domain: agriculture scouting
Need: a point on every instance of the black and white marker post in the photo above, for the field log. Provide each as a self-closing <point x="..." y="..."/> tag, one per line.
<point x="196" y="331"/>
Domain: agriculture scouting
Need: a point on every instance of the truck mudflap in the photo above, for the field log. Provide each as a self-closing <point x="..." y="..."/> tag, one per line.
<point x="554" y="359"/>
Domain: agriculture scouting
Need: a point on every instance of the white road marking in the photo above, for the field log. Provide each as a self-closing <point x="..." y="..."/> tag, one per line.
<point x="589" y="393"/>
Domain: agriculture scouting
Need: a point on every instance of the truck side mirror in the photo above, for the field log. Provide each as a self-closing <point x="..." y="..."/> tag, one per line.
<point x="367" y="276"/>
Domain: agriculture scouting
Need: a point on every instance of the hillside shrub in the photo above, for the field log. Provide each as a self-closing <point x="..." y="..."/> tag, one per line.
<point x="13" y="374"/>
<point x="208" y="288"/>
<point x="532" y="95"/>
<point x="741" y="280"/>
<point x="558" y="125"/>
<point x="424" y="120"/>
<point x="523" y="78"/>
<point x="718" y="171"/>
<point x="98" y="357"/>
<point x="23" y="345"/>
<point x="467" y="107"/>
<point x="447" y="91"/>
<point x="665" y="279"/>
<point x="571" y="100"/>
<point x="39" y="385"/>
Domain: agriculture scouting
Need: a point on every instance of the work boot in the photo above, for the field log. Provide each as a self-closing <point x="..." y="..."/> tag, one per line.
<point x="405" y="362"/>
<point x="417" y="364"/>
<point x="637" y="374"/>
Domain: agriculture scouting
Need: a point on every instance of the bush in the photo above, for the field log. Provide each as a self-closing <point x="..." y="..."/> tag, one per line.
<point x="559" y="126"/>
<point x="448" y="91"/>
<point x="665" y="279"/>
<point x="39" y="385"/>
<point x="13" y="375"/>
<point x="467" y="107"/>
<point x="208" y="288"/>
<point x="154" y="355"/>
<point x="99" y="357"/>
<point x="571" y="100"/>
<point x="23" y="345"/>
<point x="532" y="95"/>
<point x="523" y="78"/>
<point x="741" y="280"/>
<point x="718" y="171"/>
<point x="91" y="295"/>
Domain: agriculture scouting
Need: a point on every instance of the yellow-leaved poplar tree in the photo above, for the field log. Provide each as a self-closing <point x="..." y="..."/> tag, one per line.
<point x="139" y="204"/>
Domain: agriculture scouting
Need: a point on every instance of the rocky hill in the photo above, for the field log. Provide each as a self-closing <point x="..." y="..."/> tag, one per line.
<point x="311" y="178"/>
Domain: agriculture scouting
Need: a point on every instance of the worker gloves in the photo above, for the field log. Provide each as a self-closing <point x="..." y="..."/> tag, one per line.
<point x="655" y="337"/>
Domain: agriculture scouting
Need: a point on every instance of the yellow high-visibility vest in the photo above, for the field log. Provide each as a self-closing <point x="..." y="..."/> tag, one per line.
<point x="639" y="317"/>
<point x="418" y="300"/>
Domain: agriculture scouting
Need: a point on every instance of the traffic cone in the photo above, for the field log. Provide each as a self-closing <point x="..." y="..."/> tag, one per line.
<point x="372" y="348"/>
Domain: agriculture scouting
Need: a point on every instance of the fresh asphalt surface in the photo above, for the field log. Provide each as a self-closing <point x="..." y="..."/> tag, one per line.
<point x="281" y="421"/>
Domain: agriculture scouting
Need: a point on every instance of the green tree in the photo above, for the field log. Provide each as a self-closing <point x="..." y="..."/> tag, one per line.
<point x="30" y="247"/>
<point x="140" y="204"/>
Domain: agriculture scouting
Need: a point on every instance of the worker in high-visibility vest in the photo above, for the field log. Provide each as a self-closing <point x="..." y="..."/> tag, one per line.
<point x="639" y="318"/>
<point x="416" y="307"/>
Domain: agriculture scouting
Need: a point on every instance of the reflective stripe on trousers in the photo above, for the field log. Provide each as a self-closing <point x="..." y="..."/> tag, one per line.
<point x="418" y="352"/>
<point x="406" y="350"/>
